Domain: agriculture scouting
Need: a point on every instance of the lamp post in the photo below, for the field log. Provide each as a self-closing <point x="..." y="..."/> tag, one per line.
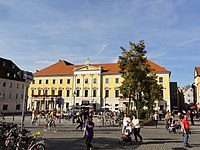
<point x="137" y="98"/>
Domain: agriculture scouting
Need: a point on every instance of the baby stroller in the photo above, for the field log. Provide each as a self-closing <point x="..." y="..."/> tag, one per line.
<point x="172" y="128"/>
<point x="126" y="137"/>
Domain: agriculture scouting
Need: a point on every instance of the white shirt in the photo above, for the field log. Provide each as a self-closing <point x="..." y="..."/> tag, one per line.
<point x="155" y="116"/>
<point x="136" y="123"/>
<point x="125" y="121"/>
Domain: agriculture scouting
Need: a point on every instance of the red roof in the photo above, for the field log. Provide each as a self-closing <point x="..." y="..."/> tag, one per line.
<point x="65" y="68"/>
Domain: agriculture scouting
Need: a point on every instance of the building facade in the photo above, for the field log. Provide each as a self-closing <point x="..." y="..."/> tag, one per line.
<point x="12" y="87"/>
<point x="63" y="85"/>
<point x="196" y="86"/>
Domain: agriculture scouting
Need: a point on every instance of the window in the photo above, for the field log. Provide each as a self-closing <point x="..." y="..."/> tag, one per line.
<point x="60" y="92"/>
<point x="68" y="93"/>
<point x="61" y="81"/>
<point x="40" y="81"/>
<point x="39" y="92"/>
<point x="45" y="92"/>
<point x="14" y="75"/>
<point x="8" y="74"/>
<point x="94" y="93"/>
<point x="77" y="93"/>
<point x="54" y="81"/>
<point x="5" y="107"/>
<point x="13" y="66"/>
<point x="10" y="85"/>
<point x="4" y="63"/>
<point x="188" y="100"/>
<point x="47" y="81"/>
<point x="78" y="81"/>
<point x="18" y="107"/>
<point x="116" y="80"/>
<point x="116" y="93"/>
<point x="86" y="80"/>
<point x="95" y="80"/>
<point x="17" y="85"/>
<point x="106" y="93"/>
<point x="22" y="96"/>
<point x="10" y="96"/>
<point x="67" y="105"/>
<point x="16" y="96"/>
<point x="160" y="80"/>
<point x="68" y="81"/>
<point x="107" y="80"/>
<point x="33" y="82"/>
<point x="86" y="93"/>
<point x="52" y="92"/>
<point x="32" y="92"/>
<point x="4" y="84"/>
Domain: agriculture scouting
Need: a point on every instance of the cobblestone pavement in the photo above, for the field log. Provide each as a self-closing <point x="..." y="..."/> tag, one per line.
<point x="106" y="138"/>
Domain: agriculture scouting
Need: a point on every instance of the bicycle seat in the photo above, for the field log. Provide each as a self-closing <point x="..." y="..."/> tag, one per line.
<point x="37" y="134"/>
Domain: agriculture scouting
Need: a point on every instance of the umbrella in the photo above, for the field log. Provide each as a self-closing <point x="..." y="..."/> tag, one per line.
<point x="106" y="106"/>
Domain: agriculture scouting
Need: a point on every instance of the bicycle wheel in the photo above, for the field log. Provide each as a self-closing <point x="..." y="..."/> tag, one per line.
<point x="54" y="127"/>
<point x="38" y="147"/>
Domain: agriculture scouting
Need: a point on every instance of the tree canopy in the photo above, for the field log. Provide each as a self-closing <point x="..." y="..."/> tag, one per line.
<point x="138" y="77"/>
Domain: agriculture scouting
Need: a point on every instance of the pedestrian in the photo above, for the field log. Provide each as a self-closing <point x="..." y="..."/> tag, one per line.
<point x="80" y="121"/>
<point x="126" y="121"/>
<point x="88" y="132"/>
<point x="167" y="120"/>
<point x="136" y="128"/>
<point x="155" y="116"/>
<point x="192" y="117"/>
<point x="185" y="131"/>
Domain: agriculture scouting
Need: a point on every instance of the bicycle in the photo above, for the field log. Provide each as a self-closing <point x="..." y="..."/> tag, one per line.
<point x="51" y="125"/>
<point x="30" y="143"/>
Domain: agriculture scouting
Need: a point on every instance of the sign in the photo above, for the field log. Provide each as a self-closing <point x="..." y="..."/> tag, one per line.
<point x="28" y="75"/>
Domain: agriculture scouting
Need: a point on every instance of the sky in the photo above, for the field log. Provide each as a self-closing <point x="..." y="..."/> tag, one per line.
<point x="35" y="34"/>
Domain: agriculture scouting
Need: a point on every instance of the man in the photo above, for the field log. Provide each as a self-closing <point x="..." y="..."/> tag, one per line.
<point x="89" y="132"/>
<point x="186" y="131"/>
<point x="126" y="121"/>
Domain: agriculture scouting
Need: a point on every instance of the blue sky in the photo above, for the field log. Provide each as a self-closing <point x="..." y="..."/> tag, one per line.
<point x="37" y="33"/>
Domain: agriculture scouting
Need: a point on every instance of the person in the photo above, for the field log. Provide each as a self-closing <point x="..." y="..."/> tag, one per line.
<point x="155" y="116"/>
<point x="192" y="117"/>
<point x="167" y="120"/>
<point x="136" y="128"/>
<point x="80" y="121"/>
<point x="35" y="112"/>
<point x="88" y="132"/>
<point x="126" y="121"/>
<point x="185" y="131"/>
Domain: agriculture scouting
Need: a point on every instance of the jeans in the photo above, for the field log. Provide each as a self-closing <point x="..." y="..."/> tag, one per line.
<point x="185" y="138"/>
<point x="137" y="134"/>
<point x="88" y="141"/>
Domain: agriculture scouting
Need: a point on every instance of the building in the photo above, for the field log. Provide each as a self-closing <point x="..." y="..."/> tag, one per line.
<point x="196" y="86"/>
<point x="12" y="87"/>
<point x="64" y="84"/>
<point x="174" y="96"/>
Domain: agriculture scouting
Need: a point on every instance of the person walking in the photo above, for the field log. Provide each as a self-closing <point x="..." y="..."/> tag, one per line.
<point x="80" y="121"/>
<point x="186" y="131"/>
<point x="192" y="117"/>
<point x="167" y="120"/>
<point x="126" y="121"/>
<point x="155" y="117"/>
<point x="136" y="128"/>
<point x="88" y="132"/>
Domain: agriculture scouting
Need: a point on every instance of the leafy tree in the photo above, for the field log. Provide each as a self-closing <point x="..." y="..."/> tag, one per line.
<point x="136" y="71"/>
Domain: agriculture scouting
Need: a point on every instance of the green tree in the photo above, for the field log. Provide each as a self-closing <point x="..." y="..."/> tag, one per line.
<point x="135" y="71"/>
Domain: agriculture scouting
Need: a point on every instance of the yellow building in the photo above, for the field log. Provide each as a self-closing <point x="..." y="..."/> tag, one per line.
<point x="64" y="84"/>
<point x="197" y="86"/>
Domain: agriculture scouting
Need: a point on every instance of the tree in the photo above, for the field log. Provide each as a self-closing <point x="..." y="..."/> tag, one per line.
<point x="135" y="71"/>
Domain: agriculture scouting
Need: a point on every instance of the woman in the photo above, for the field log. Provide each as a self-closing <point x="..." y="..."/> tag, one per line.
<point x="88" y="132"/>
<point x="136" y="128"/>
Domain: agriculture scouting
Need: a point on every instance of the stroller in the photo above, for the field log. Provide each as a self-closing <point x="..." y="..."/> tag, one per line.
<point x="126" y="137"/>
<point x="173" y="128"/>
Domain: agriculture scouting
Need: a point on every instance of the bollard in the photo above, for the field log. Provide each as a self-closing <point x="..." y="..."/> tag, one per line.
<point x="13" y="117"/>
